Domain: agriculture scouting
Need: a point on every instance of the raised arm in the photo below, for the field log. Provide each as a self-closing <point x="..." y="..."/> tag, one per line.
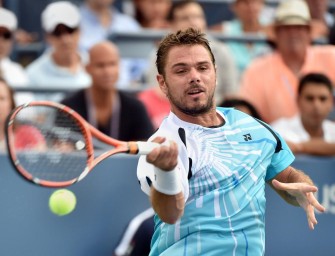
<point x="317" y="147"/>
<point x="166" y="197"/>
<point x="297" y="188"/>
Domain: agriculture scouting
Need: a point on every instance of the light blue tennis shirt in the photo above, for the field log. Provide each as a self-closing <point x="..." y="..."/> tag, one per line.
<point x="224" y="170"/>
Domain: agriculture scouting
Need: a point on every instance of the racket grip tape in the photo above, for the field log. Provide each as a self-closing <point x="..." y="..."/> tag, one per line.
<point x="145" y="148"/>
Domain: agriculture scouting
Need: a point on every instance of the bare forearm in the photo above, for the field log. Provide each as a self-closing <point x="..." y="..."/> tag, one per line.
<point x="168" y="207"/>
<point x="316" y="147"/>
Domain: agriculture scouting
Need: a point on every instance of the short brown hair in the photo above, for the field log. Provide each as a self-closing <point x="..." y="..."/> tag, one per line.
<point x="189" y="37"/>
<point x="317" y="78"/>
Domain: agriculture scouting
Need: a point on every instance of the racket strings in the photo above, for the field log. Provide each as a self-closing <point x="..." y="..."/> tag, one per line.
<point x="49" y="144"/>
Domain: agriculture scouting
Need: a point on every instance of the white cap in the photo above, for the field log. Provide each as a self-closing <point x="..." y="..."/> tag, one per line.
<point x="8" y="19"/>
<point x="292" y="12"/>
<point x="61" y="12"/>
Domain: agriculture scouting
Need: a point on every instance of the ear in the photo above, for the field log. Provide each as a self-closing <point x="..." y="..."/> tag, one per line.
<point x="162" y="84"/>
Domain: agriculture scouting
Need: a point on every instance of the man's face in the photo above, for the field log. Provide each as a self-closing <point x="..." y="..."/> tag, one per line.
<point x="190" y="79"/>
<point x="64" y="39"/>
<point x="104" y="67"/>
<point x="154" y="9"/>
<point x="315" y="103"/>
<point x="191" y="15"/>
<point x="292" y="38"/>
<point x="248" y="10"/>
<point x="6" y="42"/>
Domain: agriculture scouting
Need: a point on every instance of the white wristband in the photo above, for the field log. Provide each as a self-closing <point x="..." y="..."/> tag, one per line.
<point x="167" y="182"/>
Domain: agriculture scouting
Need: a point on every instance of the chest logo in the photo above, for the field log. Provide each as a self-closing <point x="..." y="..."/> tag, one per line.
<point x="247" y="137"/>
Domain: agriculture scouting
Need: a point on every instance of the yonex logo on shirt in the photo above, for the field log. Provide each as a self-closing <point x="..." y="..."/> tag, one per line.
<point x="247" y="137"/>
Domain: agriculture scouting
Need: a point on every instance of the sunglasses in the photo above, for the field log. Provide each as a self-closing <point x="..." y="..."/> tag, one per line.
<point x="64" y="30"/>
<point x="6" y="35"/>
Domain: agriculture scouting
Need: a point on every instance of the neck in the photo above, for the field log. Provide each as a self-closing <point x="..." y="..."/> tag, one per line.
<point x="208" y="119"/>
<point x="102" y="98"/>
<point x="315" y="131"/>
<point x="251" y="27"/>
<point x="66" y="60"/>
<point x="294" y="61"/>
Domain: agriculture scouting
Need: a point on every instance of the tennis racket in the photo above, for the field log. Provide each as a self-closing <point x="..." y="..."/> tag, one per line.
<point x="51" y="145"/>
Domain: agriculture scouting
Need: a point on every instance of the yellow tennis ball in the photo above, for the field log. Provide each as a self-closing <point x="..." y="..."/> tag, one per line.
<point x="62" y="202"/>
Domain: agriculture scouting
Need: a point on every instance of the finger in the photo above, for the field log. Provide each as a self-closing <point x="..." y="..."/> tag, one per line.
<point x="159" y="140"/>
<point x="313" y="201"/>
<point x="311" y="217"/>
<point x="302" y="187"/>
<point x="284" y="186"/>
<point x="168" y="155"/>
<point x="153" y="155"/>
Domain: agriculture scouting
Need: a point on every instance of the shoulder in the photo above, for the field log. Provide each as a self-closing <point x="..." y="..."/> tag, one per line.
<point x="39" y="63"/>
<point x="329" y="126"/>
<point x="322" y="48"/>
<point x="323" y="52"/>
<point x="12" y="64"/>
<point x="264" y="61"/>
<point x="234" y="116"/>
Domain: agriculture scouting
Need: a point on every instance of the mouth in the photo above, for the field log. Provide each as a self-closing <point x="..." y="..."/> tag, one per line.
<point x="195" y="91"/>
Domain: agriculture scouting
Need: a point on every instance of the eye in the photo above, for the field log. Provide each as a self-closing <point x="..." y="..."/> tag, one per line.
<point x="203" y="68"/>
<point x="323" y="98"/>
<point x="180" y="71"/>
<point x="309" y="98"/>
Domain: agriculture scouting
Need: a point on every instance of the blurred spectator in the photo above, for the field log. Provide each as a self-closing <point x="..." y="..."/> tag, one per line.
<point x="152" y="14"/>
<point x="156" y="104"/>
<point x="248" y="21"/>
<point x="12" y="72"/>
<point x="270" y="83"/>
<point x="21" y="36"/>
<point x="241" y="105"/>
<point x="310" y="132"/>
<point x="6" y="105"/>
<point x="185" y="14"/>
<point x="25" y="135"/>
<point x="100" y="19"/>
<point x="113" y="112"/>
<point x="60" y="66"/>
<point x="322" y="20"/>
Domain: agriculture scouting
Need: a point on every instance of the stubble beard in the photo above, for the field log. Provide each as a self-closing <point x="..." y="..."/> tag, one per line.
<point x="193" y="111"/>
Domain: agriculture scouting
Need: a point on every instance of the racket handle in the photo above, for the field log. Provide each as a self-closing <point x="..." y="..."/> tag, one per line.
<point x="145" y="148"/>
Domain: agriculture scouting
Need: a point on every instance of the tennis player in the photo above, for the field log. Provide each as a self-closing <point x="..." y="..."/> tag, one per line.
<point x="206" y="183"/>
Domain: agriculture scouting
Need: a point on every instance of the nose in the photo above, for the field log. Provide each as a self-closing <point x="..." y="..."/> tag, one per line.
<point x="194" y="76"/>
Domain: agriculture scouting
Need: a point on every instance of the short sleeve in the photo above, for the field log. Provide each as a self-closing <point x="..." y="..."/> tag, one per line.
<point x="280" y="160"/>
